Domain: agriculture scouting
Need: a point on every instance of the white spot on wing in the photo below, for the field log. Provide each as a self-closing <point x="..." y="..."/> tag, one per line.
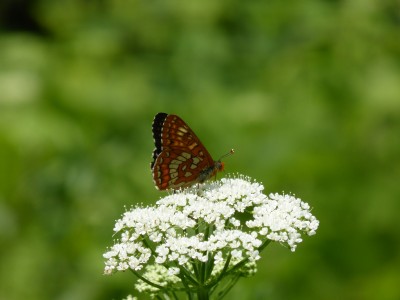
<point x="186" y="155"/>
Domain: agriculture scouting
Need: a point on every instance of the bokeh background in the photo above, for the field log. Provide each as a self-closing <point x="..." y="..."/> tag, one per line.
<point x="307" y="92"/>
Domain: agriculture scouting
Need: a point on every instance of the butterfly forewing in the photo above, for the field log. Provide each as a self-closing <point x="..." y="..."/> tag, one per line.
<point x="179" y="156"/>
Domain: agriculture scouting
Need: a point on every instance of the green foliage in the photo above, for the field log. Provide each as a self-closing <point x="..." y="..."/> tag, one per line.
<point x="306" y="92"/>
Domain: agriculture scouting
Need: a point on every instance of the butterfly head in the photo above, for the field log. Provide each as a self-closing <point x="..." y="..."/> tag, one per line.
<point x="219" y="165"/>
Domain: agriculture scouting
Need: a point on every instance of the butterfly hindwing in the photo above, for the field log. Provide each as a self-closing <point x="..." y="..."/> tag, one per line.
<point x="177" y="169"/>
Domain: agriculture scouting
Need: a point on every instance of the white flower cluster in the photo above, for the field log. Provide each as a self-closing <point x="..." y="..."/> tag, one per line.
<point x="282" y="218"/>
<point x="196" y="224"/>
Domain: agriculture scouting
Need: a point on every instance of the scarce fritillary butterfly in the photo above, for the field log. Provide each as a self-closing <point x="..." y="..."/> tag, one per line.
<point x="179" y="158"/>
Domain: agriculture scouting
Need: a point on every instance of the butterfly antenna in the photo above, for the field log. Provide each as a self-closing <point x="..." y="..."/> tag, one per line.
<point x="227" y="154"/>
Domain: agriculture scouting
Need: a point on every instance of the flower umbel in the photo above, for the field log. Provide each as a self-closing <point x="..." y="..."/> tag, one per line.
<point x="192" y="240"/>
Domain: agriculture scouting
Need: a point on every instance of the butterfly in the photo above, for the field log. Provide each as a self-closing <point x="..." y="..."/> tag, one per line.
<point x="179" y="158"/>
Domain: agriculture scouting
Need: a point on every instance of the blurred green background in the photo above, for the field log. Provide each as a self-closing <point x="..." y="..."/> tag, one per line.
<point x="307" y="92"/>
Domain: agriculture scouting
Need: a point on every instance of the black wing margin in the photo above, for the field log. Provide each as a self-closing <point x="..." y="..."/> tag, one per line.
<point x="157" y="132"/>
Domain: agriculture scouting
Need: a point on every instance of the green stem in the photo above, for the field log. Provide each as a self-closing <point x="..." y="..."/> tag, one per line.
<point x="175" y="296"/>
<point x="203" y="268"/>
<point x="187" y="275"/>
<point x="187" y="288"/>
<point x="222" y="274"/>
<point x="146" y="243"/>
<point x="147" y="281"/>
<point x="265" y="244"/>
<point x="195" y="270"/>
<point x="209" y="266"/>
<point x="228" y="288"/>
<point x="203" y="293"/>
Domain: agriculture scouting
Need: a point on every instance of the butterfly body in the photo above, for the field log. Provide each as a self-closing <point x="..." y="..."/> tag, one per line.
<point x="211" y="171"/>
<point x="179" y="158"/>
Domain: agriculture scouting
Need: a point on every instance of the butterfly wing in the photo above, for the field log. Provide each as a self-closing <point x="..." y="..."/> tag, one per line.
<point x="179" y="157"/>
